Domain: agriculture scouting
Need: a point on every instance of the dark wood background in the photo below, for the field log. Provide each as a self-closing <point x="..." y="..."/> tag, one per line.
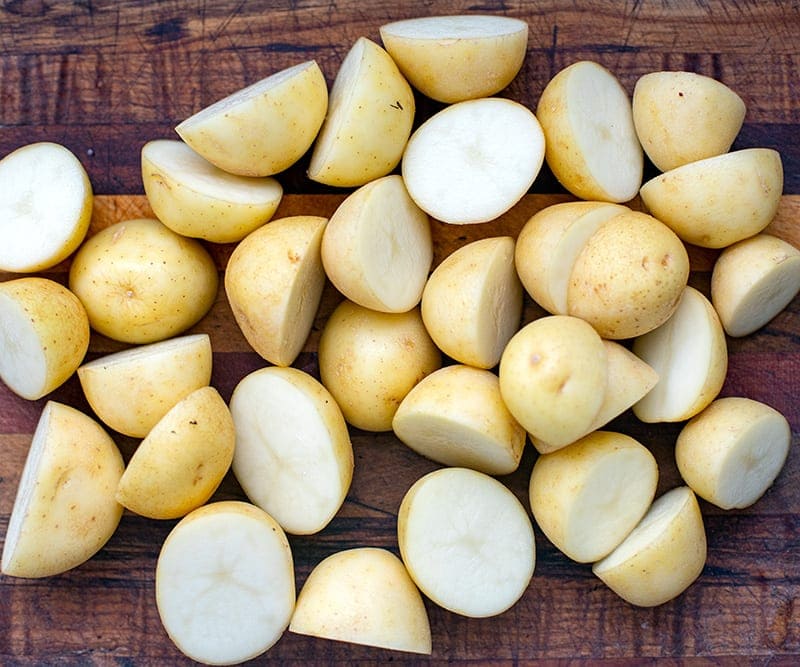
<point x="104" y="77"/>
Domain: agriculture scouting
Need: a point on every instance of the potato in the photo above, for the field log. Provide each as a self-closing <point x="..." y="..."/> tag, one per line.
<point x="731" y="452"/>
<point x="720" y="200"/>
<point x="473" y="160"/>
<point x="457" y="417"/>
<point x="64" y="511"/>
<point x="752" y="281"/>
<point x="140" y="282"/>
<point x="682" y="117"/>
<point x="456" y="58"/>
<point x="44" y="335"/>
<point x="264" y="128"/>
<point x="369" y="120"/>
<point x="225" y="583"/>
<point x="274" y="280"/>
<point x="553" y="377"/>
<point x="377" y="248"/>
<point x="194" y="198"/>
<point x="369" y="361"/>
<point x="293" y="455"/>
<point x="466" y="541"/>
<point x="591" y="143"/>
<point x="45" y="206"/>
<point x="183" y="459"/>
<point x="662" y="556"/>
<point x="689" y="352"/>
<point x="472" y="302"/>
<point x="363" y="596"/>
<point x="588" y="496"/>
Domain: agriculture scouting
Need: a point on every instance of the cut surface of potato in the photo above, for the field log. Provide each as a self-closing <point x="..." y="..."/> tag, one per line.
<point x="363" y="596"/>
<point x="472" y="302"/>
<point x="274" y="281"/>
<point x="45" y="206"/>
<point x="731" y="452"/>
<point x="588" y="496"/>
<point x="224" y="583"/>
<point x="293" y="455"/>
<point x="591" y="143"/>
<point x="194" y="198"/>
<point x="460" y="57"/>
<point x="369" y="119"/>
<point x="662" y="556"/>
<point x="473" y="160"/>
<point x="377" y="248"/>
<point x="467" y="541"/>
<point x="44" y="335"/>
<point x="456" y="416"/>
<point x="264" y="128"/>
<point x="754" y="280"/>
<point x="65" y="510"/>
<point x="690" y="354"/>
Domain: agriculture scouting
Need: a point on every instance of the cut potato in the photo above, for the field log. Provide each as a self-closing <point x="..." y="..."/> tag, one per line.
<point x="588" y="496"/>
<point x="662" y="556"/>
<point x="731" y="452"/>
<point x="363" y="596"/>
<point x="44" y="335"/>
<point x="152" y="378"/>
<point x="553" y="378"/>
<point x="140" y="282"/>
<point x="377" y="248"/>
<point x="472" y="161"/>
<point x="457" y="417"/>
<point x="274" y="281"/>
<point x="183" y="459"/>
<point x="472" y="302"/>
<point x="45" y="206"/>
<point x="369" y="120"/>
<point x="682" y="117"/>
<point x="194" y="198"/>
<point x="293" y="455"/>
<point x="754" y="280"/>
<point x="225" y="583"/>
<point x="65" y="510"/>
<point x="456" y="58"/>
<point x="264" y="128"/>
<point x="467" y="542"/>
<point x="689" y="352"/>
<point x="591" y="142"/>
<point x="369" y="361"/>
<point x="720" y="200"/>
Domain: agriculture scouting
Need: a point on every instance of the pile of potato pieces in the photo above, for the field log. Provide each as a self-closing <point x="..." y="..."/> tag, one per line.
<point x="558" y="379"/>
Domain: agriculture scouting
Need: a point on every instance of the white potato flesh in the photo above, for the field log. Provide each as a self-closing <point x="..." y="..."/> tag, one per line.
<point x="689" y="352"/>
<point x="45" y="206"/>
<point x="457" y="417"/>
<point x="588" y="496"/>
<point x="363" y="596"/>
<point x="754" y="280"/>
<point x="591" y="142"/>
<point x="152" y="378"/>
<point x="64" y="511"/>
<point x="194" y="198"/>
<point x="377" y="248"/>
<point x="733" y="451"/>
<point x="472" y="161"/>
<point x="293" y="456"/>
<point x="264" y="128"/>
<point x="225" y="583"/>
<point x="467" y="542"/>
<point x="662" y="556"/>
<point x="460" y="57"/>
